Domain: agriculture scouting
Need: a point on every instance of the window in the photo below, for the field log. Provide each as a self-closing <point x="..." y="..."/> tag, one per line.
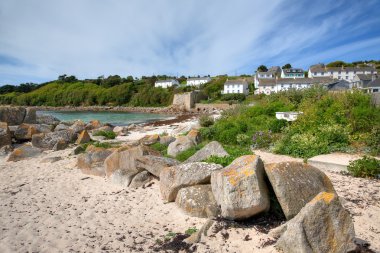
<point x="315" y="73"/>
<point x="346" y="77"/>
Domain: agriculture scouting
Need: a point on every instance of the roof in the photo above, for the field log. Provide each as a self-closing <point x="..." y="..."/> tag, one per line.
<point x="198" y="78"/>
<point x="235" y="82"/>
<point x="340" y="85"/>
<point x="315" y="80"/>
<point x="374" y="83"/>
<point x="321" y="68"/>
<point x="364" y="77"/>
<point x="165" y="81"/>
<point x="293" y="70"/>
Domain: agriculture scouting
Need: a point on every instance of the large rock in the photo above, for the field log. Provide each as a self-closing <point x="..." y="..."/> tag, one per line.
<point x="122" y="177"/>
<point x="120" y="130"/>
<point x="23" y="152"/>
<point x="154" y="164"/>
<point x="61" y="126"/>
<point x="141" y="179"/>
<point x="322" y="226"/>
<point x="92" y="162"/>
<point x="240" y="188"/>
<point x="174" y="178"/>
<point x="124" y="158"/>
<point x="182" y="143"/>
<point x="13" y="115"/>
<point x="83" y="137"/>
<point x="198" y="201"/>
<point x="295" y="184"/>
<point x="213" y="148"/>
<point x="60" y="145"/>
<point x="166" y="140"/>
<point x="5" y="135"/>
<point x="47" y="119"/>
<point x="105" y="128"/>
<point x="78" y="126"/>
<point x="150" y="139"/>
<point x="93" y="124"/>
<point x="30" y="115"/>
<point x="195" y="136"/>
<point x="47" y="141"/>
<point x="24" y="132"/>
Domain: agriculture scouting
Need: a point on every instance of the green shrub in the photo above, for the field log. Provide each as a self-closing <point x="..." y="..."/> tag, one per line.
<point x="243" y="139"/>
<point x="276" y="126"/>
<point x="207" y="133"/>
<point x="107" y="134"/>
<point x="233" y="97"/>
<point x="191" y="231"/>
<point x="373" y="140"/>
<point x="183" y="156"/>
<point x="206" y="120"/>
<point x="233" y="151"/>
<point x="365" y="167"/>
<point x="160" y="147"/>
<point x="262" y="139"/>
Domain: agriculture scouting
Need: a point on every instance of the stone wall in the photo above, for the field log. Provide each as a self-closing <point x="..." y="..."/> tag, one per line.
<point x="376" y="98"/>
<point x="207" y="108"/>
<point x="187" y="100"/>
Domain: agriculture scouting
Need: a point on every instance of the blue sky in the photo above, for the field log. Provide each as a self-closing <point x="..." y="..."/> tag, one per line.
<point x="42" y="39"/>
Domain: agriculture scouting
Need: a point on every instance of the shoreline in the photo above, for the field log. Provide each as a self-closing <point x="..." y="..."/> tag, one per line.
<point x="170" y="110"/>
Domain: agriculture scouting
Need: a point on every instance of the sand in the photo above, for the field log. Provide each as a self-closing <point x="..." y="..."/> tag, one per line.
<point x="53" y="207"/>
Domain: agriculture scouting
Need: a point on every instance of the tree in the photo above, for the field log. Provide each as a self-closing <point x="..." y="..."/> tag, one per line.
<point x="337" y="64"/>
<point x="262" y="68"/>
<point x="287" y="66"/>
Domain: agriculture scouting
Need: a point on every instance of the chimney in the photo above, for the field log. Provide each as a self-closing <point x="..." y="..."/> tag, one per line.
<point x="374" y="77"/>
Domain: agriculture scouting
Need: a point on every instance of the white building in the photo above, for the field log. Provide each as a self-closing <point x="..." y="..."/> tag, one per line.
<point x="373" y="86"/>
<point x="341" y="73"/>
<point x="166" y="83"/>
<point x="292" y="73"/>
<point x="288" y="116"/>
<point x="272" y="73"/>
<point x="268" y="86"/>
<point x="361" y="80"/>
<point x="236" y="86"/>
<point x="197" y="81"/>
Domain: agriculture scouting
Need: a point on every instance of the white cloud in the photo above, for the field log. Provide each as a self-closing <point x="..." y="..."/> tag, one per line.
<point x="89" y="38"/>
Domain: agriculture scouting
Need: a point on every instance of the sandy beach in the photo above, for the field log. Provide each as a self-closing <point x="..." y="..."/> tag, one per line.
<point x="53" y="207"/>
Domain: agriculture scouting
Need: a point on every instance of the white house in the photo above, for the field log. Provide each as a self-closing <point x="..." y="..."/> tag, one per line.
<point x="236" y="86"/>
<point x="272" y="73"/>
<point x="197" y="81"/>
<point x="268" y="86"/>
<point x="361" y="80"/>
<point x="288" y="116"/>
<point x="166" y="83"/>
<point x="373" y="86"/>
<point x="292" y="73"/>
<point x="341" y="73"/>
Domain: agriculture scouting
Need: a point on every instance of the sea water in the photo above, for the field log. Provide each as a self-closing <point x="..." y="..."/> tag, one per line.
<point x="114" y="118"/>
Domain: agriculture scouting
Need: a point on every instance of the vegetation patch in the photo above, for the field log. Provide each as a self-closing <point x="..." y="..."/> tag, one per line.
<point x="107" y="134"/>
<point x="365" y="167"/>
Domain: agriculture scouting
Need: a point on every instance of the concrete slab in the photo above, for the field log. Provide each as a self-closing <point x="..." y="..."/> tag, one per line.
<point x="332" y="162"/>
<point x="268" y="157"/>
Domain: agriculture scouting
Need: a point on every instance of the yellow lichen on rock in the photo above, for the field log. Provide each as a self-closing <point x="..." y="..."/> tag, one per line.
<point x="327" y="197"/>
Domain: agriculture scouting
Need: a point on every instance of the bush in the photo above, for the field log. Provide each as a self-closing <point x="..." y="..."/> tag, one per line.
<point x="262" y="139"/>
<point x="233" y="97"/>
<point x="365" y="167"/>
<point x="206" y="120"/>
<point x="107" y="134"/>
<point x="160" y="147"/>
<point x="243" y="139"/>
<point x="373" y="140"/>
<point x="207" y="133"/>
<point x="277" y="126"/>
<point x="183" y="156"/>
<point x="233" y="151"/>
